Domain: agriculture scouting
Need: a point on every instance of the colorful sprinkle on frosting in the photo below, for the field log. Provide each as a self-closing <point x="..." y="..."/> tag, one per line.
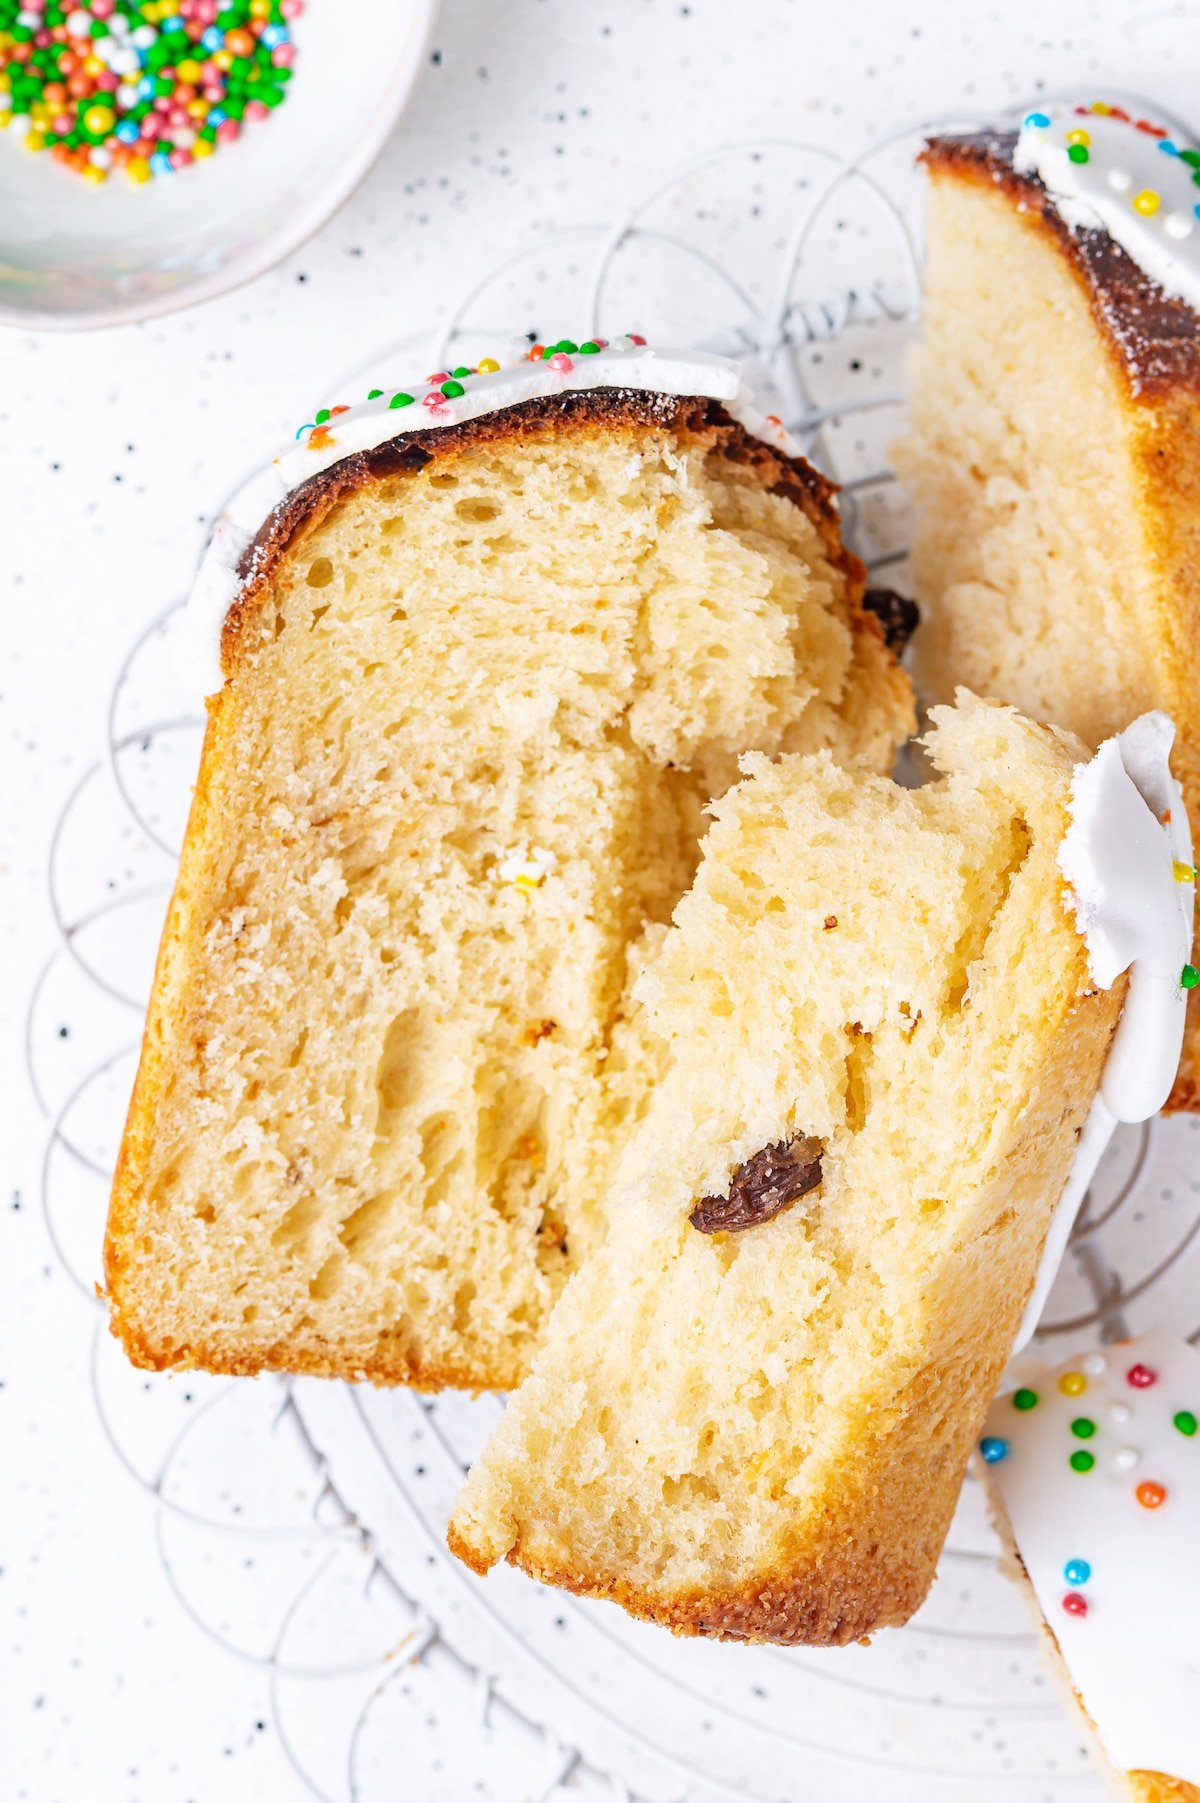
<point x="143" y="86"/>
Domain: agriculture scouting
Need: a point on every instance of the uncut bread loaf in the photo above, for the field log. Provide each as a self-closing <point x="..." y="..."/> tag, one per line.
<point x="754" y="1407"/>
<point x="1054" y="443"/>
<point x="479" y="681"/>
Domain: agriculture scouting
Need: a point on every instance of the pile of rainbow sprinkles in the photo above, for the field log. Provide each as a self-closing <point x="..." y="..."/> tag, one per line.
<point x="145" y="87"/>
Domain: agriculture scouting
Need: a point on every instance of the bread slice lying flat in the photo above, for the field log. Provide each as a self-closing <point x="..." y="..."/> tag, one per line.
<point x="480" y="682"/>
<point x="1054" y="455"/>
<point x="754" y="1407"/>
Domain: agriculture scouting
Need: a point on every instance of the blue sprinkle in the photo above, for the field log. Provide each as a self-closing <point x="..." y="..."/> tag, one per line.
<point x="145" y="88"/>
<point x="993" y="1449"/>
<point x="1196" y="210"/>
<point x="160" y="163"/>
<point x="307" y="428"/>
<point x="216" y="116"/>
<point x="128" y="131"/>
<point x="1165" y="144"/>
<point x="1037" y="119"/>
<point x="275" y="34"/>
<point x="166" y="25"/>
<point x="1077" y="1571"/>
<point x="213" y="38"/>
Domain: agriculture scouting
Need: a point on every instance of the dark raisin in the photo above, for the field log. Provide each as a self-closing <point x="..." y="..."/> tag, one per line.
<point x="762" y="1187"/>
<point x="898" y="616"/>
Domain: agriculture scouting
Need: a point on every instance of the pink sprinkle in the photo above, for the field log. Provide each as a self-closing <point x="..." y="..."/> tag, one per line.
<point x="561" y="362"/>
<point x="162" y="104"/>
<point x="107" y="82"/>
<point x="177" y="116"/>
<point x="180" y="159"/>
<point x="439" y="375"/>
<point x="102" y="9"/>
<point x="436" y="401"/>
<point x="283" y="55"/>
<point x="150" y="127"/>
<point x="65" y="123"/>
<point x="636" y="338"/>
<point x="227" y="131"/>
<point x="42" y="38"/>
<point x="256" y="109"/>
<point x="213" y="94"/>
<point x="1141" y="1377"/>
<point x="291" y="9"/>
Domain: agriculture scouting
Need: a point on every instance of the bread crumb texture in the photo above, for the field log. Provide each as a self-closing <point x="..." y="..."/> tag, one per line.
<point x="451" y="792"/>
<point x="1057" y="548"/>
<point x="763" y="1433"/>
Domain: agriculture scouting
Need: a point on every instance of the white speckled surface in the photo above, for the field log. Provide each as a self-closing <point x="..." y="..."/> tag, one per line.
<point x="116" y="449"/>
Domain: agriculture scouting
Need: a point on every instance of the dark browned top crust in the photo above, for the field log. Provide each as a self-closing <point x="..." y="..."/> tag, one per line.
<point x="1156" y="337"/>
<point x="579" y="411"/>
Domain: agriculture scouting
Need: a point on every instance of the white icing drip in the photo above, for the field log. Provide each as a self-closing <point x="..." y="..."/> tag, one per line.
<point x="639" y="367"/>
<point x="1123" y="162"/>
<point x="1118" y="857"/>
<point x="1134" y="1658"/>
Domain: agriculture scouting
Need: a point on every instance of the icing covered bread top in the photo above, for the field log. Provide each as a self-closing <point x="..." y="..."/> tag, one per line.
<point x="1126" y="861"/>
<point x="1128" y="177"/>
<point x="447" y="397"/>
<point x="1096" y="1465"/>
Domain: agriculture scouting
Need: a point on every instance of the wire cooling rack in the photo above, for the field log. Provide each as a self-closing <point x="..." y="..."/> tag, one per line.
<point x="301" y="1524"/>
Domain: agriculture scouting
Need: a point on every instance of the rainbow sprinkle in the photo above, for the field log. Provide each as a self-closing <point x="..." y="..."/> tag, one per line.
<point x="147" y="86"/>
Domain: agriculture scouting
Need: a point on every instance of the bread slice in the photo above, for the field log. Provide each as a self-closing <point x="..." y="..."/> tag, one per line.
<point x="480" y="680"/>
<point x="1054" y="455"/>
<point x="754" y="1407"/>
<point x="1106" y="1556"/>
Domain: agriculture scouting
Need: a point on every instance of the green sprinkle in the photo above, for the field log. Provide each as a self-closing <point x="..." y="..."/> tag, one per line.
<point x="1082" y="1461"/>
<point x="1185" y="1421"/>
<point x="452" y="390"/>
<point x="589" y="349"/>
<point x="547" y="353"/>
<point x="1191" y="158"/>
<point x="1083" y="1427"/>
<point x="568" y="345"/>
<point x="1079" y="153"/>
<point x="401" y="400"/>
<point x="1189" y="976"/>
<point x="374" y="394"/>
<point x="462" y="370"/>
<point x="1025" y="1399"/>
<point x="321" y="415"/>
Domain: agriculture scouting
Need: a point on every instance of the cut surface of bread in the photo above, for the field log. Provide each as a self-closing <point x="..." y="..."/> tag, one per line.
<point x="762" y="1432"/>
<point x="1054" y="456"/>
<point x="479" y="685"/>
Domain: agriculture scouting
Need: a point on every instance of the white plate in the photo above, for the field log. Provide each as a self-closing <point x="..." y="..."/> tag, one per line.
<point x="74" y="255"/>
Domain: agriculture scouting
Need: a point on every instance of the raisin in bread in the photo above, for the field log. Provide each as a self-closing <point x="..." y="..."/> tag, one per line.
<point x="754" y="1407"/>
<point x="479" y="680"/>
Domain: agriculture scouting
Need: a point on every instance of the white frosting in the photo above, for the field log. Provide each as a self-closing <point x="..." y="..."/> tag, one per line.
<point x="1123" y="164"/>
<point x="623" y="365"/>
<point x="1134" y="1656"/>
<point x="1119" y="857"/>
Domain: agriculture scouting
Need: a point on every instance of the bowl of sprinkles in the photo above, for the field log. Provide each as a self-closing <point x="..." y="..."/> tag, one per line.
<point x="154" y="153"/>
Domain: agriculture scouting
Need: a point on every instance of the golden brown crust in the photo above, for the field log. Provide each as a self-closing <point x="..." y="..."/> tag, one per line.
<point x="1156" y="337"/>
<point x="296" y="516"/>
<point x="604" y="410"/>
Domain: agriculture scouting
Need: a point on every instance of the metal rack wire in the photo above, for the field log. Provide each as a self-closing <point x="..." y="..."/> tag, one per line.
<point x="642" y="1718"/>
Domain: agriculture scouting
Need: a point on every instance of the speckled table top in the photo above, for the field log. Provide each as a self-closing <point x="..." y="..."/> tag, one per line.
<point x="117" y="448"/>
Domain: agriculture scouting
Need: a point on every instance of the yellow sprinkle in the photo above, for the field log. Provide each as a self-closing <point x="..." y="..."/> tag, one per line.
<point x="202" y="148"/>
<point x="1100" y="106"/>
<point x="1079" y="136"/>
<point x="93" y="66"/>
<point x="188" y="70"/>
<point x="5" y="119"/>
<point x="94" y="174"/>
<point x="487" y="366"/>
<point x="138" y="169"/>
<point x="223" y="59"/>
<point x="35" y="140"/>
<point x="260" y="9"/>
<point x="1183" y="873"/>
<point x="1147" y="202"/>
<point x="1072" y="1383"/>
<point x="197" y="109"/>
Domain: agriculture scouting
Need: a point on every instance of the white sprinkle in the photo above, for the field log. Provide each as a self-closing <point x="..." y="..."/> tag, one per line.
<point x="1126" y="1458"/>
<point x="1118" y="1411"/>
<point x="1120" y="180"/>
<point x="99" y="157"/>
<point x="1178" y="225"/>
<point x="1095" y="1364"/>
